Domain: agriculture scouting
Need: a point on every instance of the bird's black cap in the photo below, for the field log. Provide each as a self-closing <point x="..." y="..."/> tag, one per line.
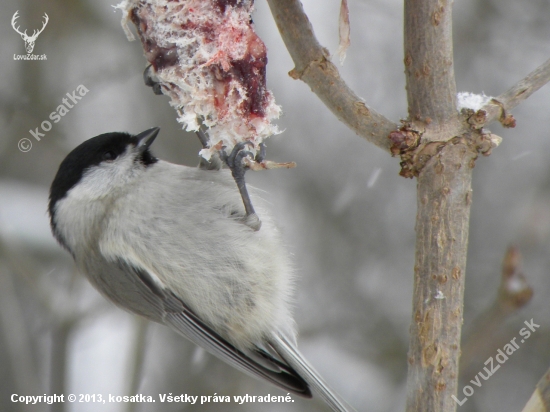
<point x="107" y="146"/>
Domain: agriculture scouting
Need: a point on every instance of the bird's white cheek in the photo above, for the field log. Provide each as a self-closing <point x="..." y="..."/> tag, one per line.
<point x="103" y="180"/>
<point x="78" y="221"/>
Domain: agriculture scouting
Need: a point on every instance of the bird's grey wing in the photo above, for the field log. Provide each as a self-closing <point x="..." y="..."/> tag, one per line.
<point x="175" y="313"/>
<point x="132" y="290"/>
<point x="294" y="358"/>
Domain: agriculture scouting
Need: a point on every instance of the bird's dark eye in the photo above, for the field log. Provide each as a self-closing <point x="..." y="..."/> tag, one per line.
<point x="110" y="155"/>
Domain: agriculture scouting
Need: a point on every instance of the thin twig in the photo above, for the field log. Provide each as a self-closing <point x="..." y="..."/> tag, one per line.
<point x="313" y="66"/>
<point x="513" y="293"/>
<point x="540" y="400"/>
<point x="498" y="108"/>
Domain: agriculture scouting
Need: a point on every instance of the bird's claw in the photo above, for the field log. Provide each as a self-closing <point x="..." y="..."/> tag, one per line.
<point x="238" y="169"/>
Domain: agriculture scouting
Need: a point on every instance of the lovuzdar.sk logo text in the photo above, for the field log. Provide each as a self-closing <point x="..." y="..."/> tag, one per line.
<point x="29" y="40"/>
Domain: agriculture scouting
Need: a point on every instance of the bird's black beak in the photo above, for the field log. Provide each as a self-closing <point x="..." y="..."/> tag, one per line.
<point x="146" y="138"/>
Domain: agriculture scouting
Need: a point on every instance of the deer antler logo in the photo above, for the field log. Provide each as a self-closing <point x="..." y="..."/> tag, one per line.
<point x="29" y="40"/>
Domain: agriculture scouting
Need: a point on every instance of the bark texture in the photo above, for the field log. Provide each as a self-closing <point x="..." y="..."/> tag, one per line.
<point x="540" y="400"/>
<point x="431" y="87"/>
<point x="444" y="198"/>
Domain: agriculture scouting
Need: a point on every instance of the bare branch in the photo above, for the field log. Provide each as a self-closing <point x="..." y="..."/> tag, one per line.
<point x="513" y="293"/>
<point x="313" y="66"/>
<point x="444" y="197"/>
<point x="267" y="165"/>
<point x="443" y="206"/>
<point x="540" y="400"/>
<point x="431" y="87"/>
<point x="499" y="107"/>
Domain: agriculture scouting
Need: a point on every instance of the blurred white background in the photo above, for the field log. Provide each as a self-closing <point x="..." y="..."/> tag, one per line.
<point x="346" y="215"/>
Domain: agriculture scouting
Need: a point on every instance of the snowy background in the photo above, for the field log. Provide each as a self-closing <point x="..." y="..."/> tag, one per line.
<point x="346" y="215"/>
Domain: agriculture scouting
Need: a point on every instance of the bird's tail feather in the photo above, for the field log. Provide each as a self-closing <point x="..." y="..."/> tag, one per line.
<point x="290" y="354"/>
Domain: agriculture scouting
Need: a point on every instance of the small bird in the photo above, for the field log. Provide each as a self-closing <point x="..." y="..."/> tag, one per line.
<point x="170" y="243"/>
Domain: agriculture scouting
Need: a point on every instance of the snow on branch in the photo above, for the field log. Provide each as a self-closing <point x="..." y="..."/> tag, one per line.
<point x="467" y="100"/>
